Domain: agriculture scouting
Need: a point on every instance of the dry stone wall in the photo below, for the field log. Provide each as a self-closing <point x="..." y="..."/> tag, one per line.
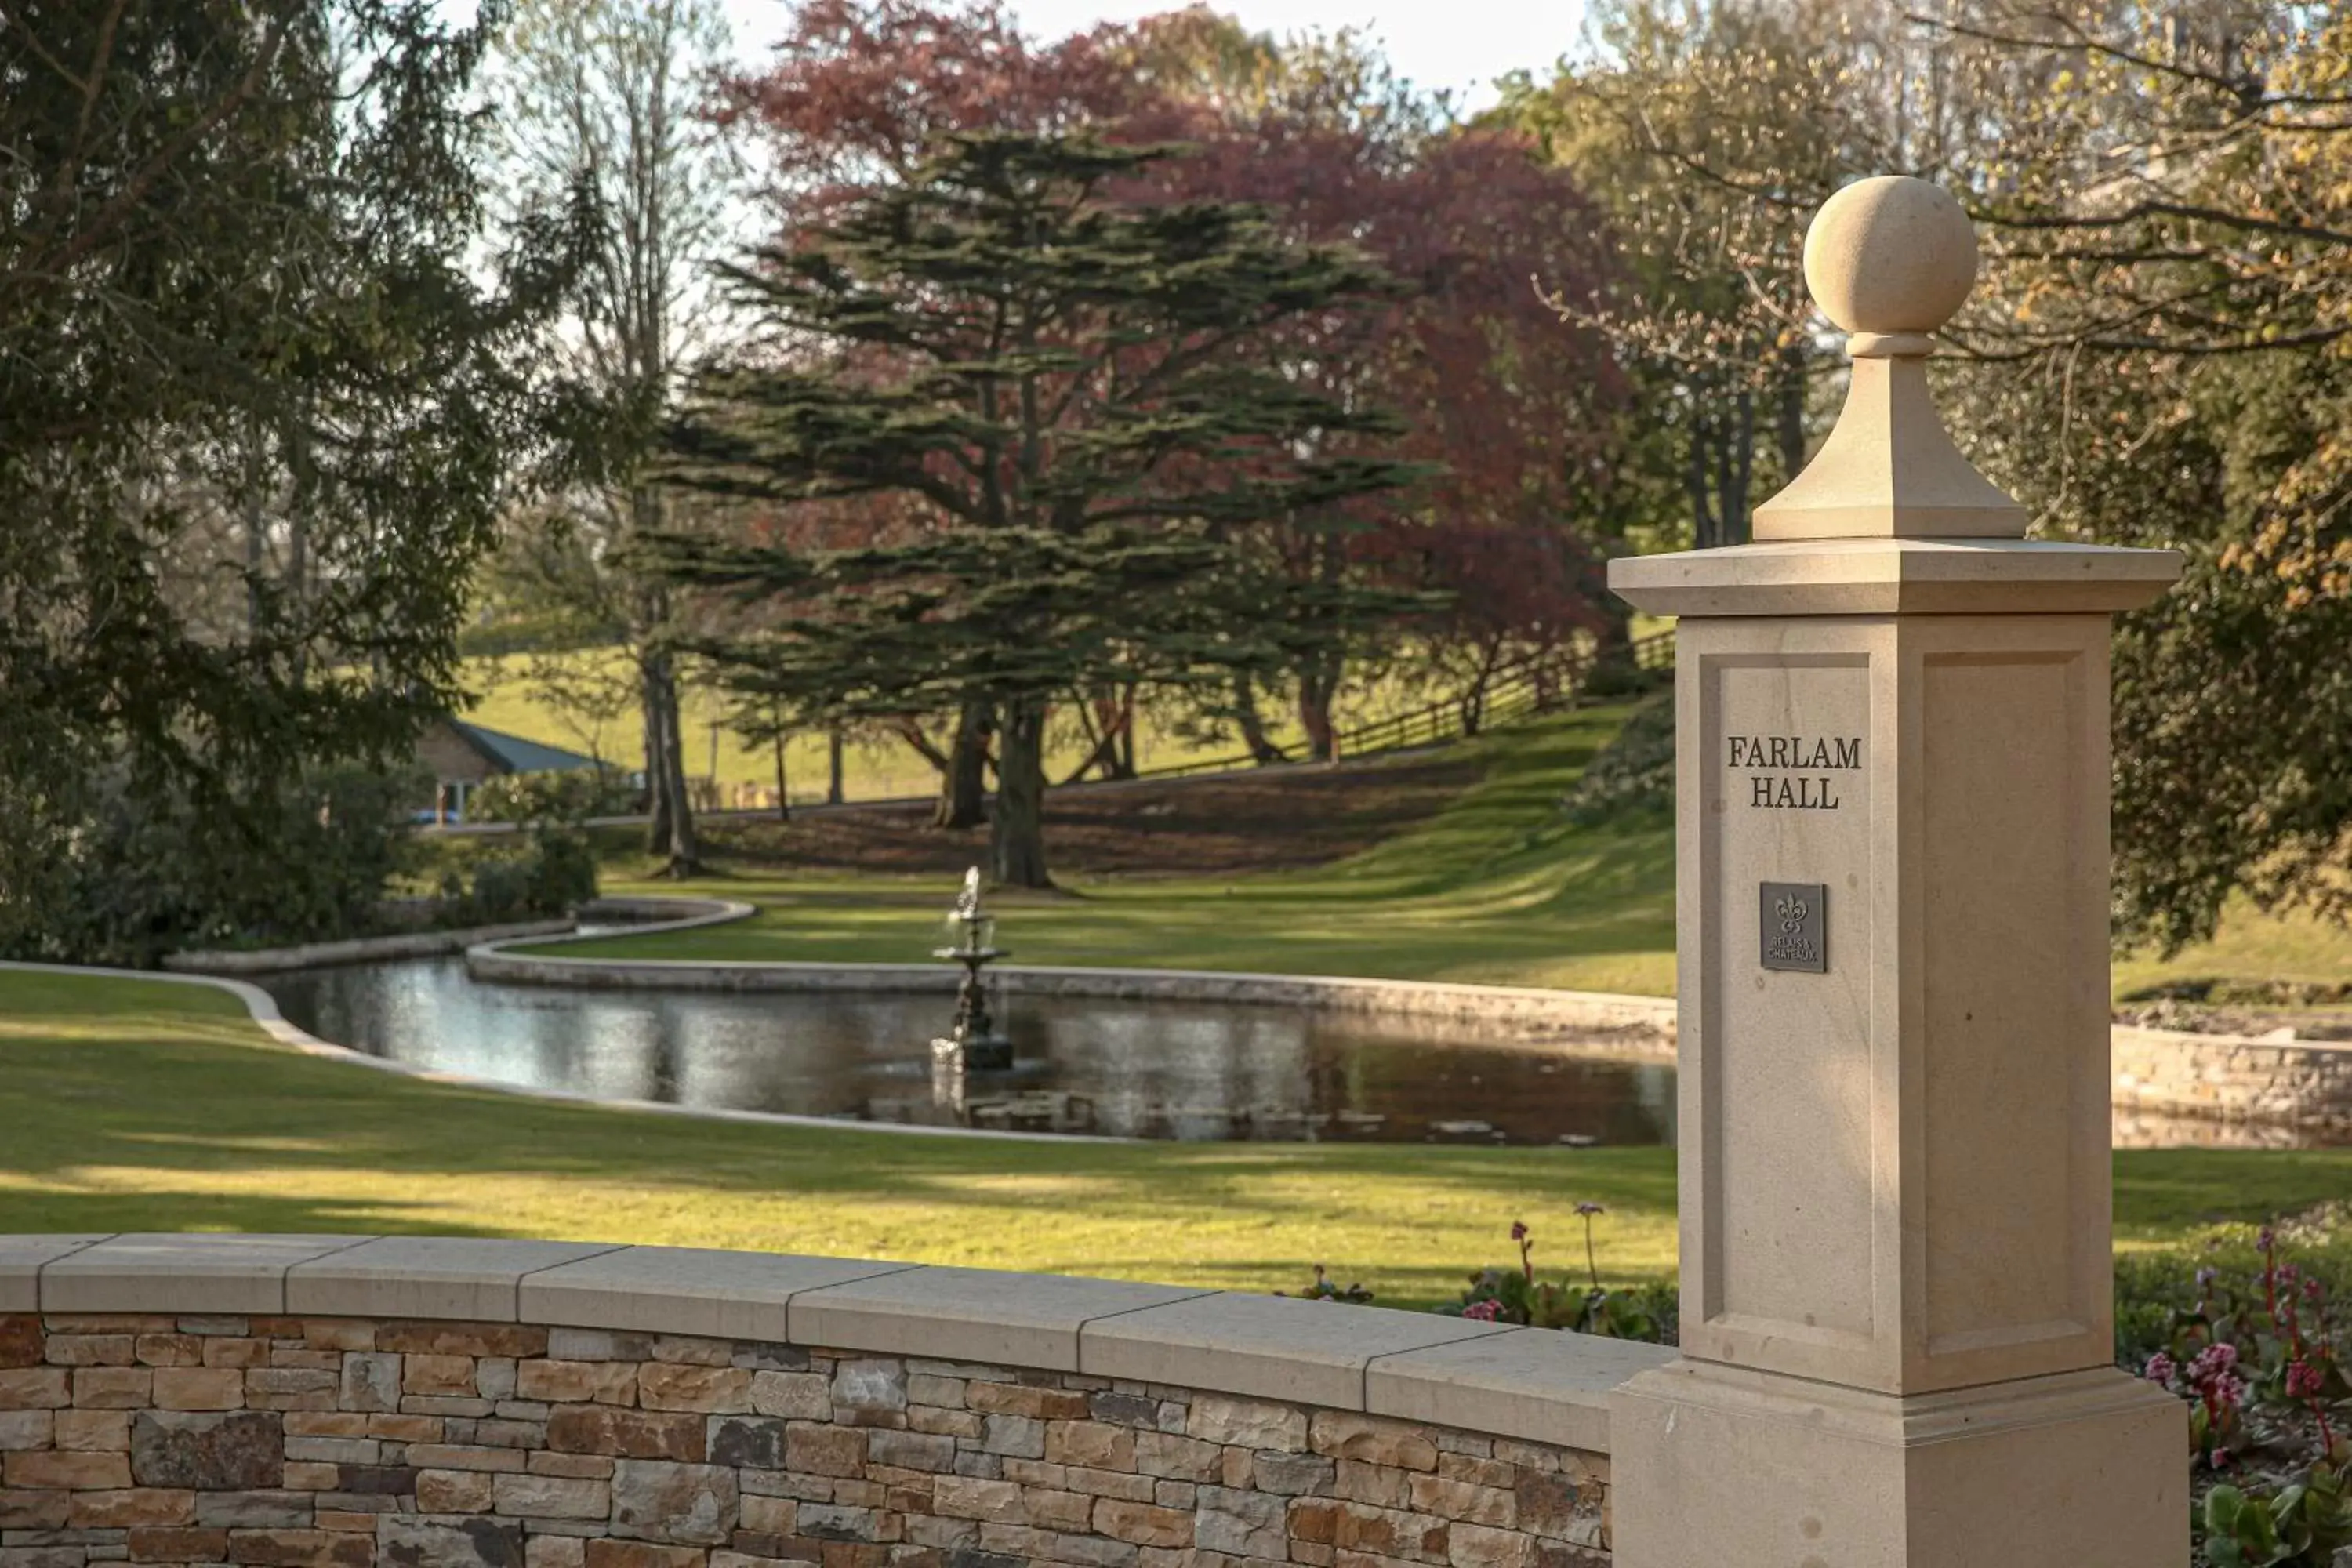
<point x="326" y="1442"/>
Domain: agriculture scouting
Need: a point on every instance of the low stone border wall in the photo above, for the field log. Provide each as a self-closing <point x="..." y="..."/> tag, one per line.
<point x="358" y="950"/>
<point x="2305" y="1084"/>
<point x="1638" y="1026"/>
<point x="346" y="1402"/>
<point x="2229" y="1078"/>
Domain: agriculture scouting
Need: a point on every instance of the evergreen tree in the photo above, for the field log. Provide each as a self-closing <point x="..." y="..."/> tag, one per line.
<point x="266" y="380"/>
<point x="1061" y="383"/>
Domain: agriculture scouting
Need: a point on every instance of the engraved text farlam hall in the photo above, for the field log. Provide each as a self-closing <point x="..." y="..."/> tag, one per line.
<point x="1794" y="772"/>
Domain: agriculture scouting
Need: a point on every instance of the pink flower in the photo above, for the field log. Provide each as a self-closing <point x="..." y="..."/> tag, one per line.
<point x="1589" y="1209"/>
<point x="2227" y="1392"/>
<point x="2303" y="1380"/>
<point x="1518" y="1230"/>
<point x="2160" y="1368"/>
<point x="1483" y="1311"/>
<point x="2213" y="1360"/>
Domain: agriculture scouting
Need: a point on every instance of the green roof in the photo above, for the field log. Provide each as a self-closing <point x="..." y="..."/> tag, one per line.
<point x="517" y="755"/>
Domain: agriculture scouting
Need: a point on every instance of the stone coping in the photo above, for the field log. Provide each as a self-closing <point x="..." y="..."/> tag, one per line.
<point x="357" y="949"/>
<point x="2220" y="1079"/>
<point x="1536" y="1384"/>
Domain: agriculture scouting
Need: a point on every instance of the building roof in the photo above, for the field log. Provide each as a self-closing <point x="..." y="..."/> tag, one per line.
<point x="515" y="754"/>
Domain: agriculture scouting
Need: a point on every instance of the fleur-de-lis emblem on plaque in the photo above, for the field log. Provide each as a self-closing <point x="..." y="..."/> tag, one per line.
<point x="1792" y="913"/>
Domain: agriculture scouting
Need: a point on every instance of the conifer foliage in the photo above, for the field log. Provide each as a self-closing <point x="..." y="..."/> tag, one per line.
<point x="1048" y="379"/>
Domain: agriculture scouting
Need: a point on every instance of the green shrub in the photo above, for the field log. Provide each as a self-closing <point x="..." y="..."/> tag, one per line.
<point x="152" y="871"/>
<point x="550" y="873"/>
<point x="570" y="798"/>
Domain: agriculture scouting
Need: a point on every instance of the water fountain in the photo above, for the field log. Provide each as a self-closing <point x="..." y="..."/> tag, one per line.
<point x="973" y="1043"/>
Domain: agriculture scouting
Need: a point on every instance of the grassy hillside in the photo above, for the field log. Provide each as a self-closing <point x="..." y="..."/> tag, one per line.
<point x="1496" y="888"/>
<point x="507" y="697"/>
<point x="1499" y="886"/>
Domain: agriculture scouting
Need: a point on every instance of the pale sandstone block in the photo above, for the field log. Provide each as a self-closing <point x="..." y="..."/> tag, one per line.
<point x="22" y="1257"/>
<point x="35" y="1388"/>
<point x="198" y="1388"/>
<point x="980" y="1315"/>
<point x="123" y="1509"/>
<point x="550" y="1497"/>
<point x="28" y="1429"/>
<point x="1533" y="1383"/>
<point x="996" y="1501"/>
<point x="578" y="1381"/>
<point x="801" y="1395"/>
<point x="1343" y="1436"/>
<point x="685" y="1290"/>
<point x="1143" y="1524"/>
<point x="1247" y="1423"/>
<point x="454" y="1491"/>
<point x="1268" y="1346"/>
<point x="65" y="1472"/>
<point x="462" y="1277"/>
<point x="113" y="1387"/>
<point x="667" y="1387"/>
<point x="190" y="1274"/>
<point x="554" y="1552"/>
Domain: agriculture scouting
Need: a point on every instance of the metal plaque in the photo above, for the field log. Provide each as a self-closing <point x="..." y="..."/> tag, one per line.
<point x="1793" y="925"/>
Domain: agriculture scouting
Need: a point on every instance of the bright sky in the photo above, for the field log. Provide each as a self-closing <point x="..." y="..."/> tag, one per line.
<point x="1459" y="44"/>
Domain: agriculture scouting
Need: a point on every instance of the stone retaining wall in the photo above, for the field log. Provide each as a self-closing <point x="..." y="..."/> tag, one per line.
<point x="2227" y="1077"/>
<point x="309" y="1439"/>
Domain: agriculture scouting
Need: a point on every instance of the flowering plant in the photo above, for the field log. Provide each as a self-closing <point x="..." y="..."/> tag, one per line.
<point x="2256" y="1357"/>
<point x="1502" y="1294"/>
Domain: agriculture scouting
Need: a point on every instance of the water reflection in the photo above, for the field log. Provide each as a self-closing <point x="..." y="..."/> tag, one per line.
<point x="1144" y="1069"/>
<point x="1147" y="1069"/>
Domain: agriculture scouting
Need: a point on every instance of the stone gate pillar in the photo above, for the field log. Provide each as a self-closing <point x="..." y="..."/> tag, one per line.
<point x="1892" y="795"/>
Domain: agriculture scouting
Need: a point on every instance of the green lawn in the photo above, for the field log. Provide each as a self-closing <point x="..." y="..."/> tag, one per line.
<point x="1495" y="888"/>
<point x="148" y="1106"/>
<point x="1499" y="888"/>
<point x="507" y="697"/>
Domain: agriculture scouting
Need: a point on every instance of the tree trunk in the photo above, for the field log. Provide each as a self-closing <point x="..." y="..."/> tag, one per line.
<point x="963" y="782"/>
<point x="1017" y="839"/>
<point x="1118" y="710"/>
<point x="784" y="795"/>
<point x="1262" y="749"/>
<point x="1318" y="684"/>
<point x="832" y="747"/>
<point x="656" y="767"/>
<point x="673" y="836"/>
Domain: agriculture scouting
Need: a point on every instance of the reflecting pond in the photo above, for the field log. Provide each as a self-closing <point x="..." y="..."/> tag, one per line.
<point x="1131" y="1068"/>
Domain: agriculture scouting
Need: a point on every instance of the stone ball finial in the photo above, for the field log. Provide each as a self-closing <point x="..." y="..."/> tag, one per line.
<point x="1891" y="255"/>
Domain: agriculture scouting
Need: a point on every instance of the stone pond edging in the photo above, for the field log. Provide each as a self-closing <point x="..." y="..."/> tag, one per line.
<point x="356" y="950"/>
<point x="1634" y="1026"/>
<point x="2164" y="1072"/>
<point x="417" y="1402"/>
<point x="2234" y="1078"/>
